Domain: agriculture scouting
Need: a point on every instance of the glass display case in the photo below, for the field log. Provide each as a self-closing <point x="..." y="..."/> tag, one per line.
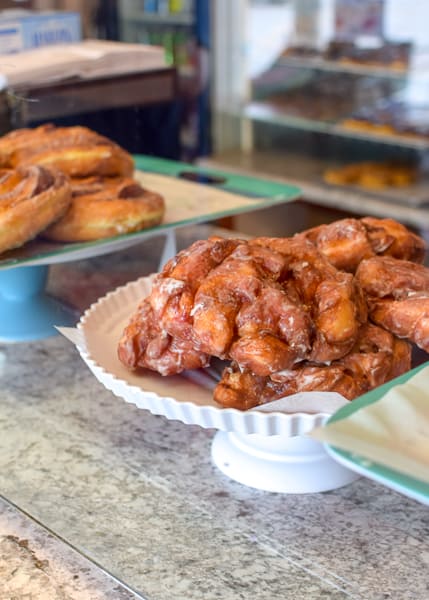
<point x="333" y="95"/>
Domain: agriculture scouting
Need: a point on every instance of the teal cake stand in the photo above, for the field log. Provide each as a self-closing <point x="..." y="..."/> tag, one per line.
<point x="27" y="311"/>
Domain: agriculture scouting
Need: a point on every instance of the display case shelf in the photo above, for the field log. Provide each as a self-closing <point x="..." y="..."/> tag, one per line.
<point x="408" y="205"/>
<point x="322" y="64"/>
<point x="266" y="112"/>
<point x="173" y="19"/>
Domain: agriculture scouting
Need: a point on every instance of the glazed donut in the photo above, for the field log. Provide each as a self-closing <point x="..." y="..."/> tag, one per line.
<point x="106" y="207"/>
<point x="390" y="238"/>
<point x="77" y="151"/>
<point x="173" y="290"/>
<point x="244" y="389"/>
<point x="31" y="198"/>
<point x="284" y="315"/>
<point x="344" y="243"/>
<point x="162" y="324"/>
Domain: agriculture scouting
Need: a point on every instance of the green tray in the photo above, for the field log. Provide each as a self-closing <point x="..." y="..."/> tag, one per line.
<point x="261" y="193"/>
<point x="409" y="486"/>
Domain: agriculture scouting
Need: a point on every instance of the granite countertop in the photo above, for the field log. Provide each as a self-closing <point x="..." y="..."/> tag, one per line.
<point x="136" y="508"/>
<point x="35" y="564"/>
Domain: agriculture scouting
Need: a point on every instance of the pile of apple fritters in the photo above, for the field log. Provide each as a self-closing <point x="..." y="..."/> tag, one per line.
<point x="335" y="308"/>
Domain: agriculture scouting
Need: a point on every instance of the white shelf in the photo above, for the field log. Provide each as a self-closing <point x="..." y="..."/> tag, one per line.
<point x="266" y="112"/>
<point x="407" y="205"/>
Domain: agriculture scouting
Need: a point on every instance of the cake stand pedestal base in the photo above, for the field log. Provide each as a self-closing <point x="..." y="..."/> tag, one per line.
<point x="27" y="311"/>
<point x="290" y="465"/>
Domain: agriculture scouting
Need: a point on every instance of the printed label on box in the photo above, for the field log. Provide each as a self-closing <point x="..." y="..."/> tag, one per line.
<point x="10" y="37"/>
<point x="39" y="30"/>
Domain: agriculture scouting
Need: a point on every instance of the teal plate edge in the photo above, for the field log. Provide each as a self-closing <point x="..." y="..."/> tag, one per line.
<point x="409" y="486"/>
<point x="234" y="182"/>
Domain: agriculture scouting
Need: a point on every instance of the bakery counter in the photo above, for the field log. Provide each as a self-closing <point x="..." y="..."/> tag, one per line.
<point x="136" y="497"/>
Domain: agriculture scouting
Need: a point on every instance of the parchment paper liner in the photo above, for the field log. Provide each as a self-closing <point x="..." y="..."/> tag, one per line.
<point x="393" y="431"/>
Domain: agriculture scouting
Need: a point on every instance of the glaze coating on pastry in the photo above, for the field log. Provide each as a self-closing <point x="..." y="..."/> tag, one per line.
<point x="144" y="343"/>
<point x="398" y="297"/>
<point x="347" y="242"/>
<point x="376" y="358"/>
<point x="284" y="316"/>
<point x="221" y="310"/>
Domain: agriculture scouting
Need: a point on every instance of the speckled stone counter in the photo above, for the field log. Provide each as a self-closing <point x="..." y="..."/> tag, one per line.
<point x="36" y="565"/>
<point x="138" y="495"/>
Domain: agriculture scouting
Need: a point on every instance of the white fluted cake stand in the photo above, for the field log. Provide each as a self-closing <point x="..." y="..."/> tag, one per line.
<point x="260" y="449"/>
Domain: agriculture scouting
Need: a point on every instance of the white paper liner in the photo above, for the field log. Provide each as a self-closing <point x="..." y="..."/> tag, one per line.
<point x="178" y="397"/>
<point x="393" y="431"/>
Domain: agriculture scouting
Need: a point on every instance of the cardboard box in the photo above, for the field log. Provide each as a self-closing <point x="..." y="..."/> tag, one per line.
<point x="22" y="30"/>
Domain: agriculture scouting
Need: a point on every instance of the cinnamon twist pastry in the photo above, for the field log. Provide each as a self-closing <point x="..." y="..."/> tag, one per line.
<point x="77" y="151"/>
<point x="31" y="198"/>
<point x="105" y="207"/>
<point x="398" y="297"/>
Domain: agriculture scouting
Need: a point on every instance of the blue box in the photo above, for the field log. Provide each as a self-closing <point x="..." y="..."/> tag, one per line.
<point x="31" y="30"/>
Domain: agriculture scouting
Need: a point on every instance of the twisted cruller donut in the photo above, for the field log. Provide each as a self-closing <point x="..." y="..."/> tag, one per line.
<point x="31" y="198"/>
<point x="76" y="151"/>
<point x="105" y="207"/>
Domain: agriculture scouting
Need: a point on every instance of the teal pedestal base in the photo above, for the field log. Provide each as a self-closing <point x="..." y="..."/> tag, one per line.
<point x="27" y="312"/>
